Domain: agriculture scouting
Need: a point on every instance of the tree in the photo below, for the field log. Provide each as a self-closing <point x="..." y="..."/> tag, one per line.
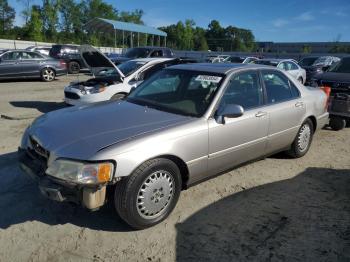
<point x="7" y="16"/>
<point x="27" y="9"/>
<point x="50" y="18"/>
<point x="34" y="27"/>
<point x="306" y="49"/>
<point x="132" y="17"/>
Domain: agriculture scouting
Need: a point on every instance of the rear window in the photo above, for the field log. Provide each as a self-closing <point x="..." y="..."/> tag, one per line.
<point x="56" y="49"/>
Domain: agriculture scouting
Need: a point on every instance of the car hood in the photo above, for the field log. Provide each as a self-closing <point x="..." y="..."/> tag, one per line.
<point x="96" y="61"/>
<point x="80" y="132"/>
<point x="96" y="82"/>
<point x="333" y="77"/>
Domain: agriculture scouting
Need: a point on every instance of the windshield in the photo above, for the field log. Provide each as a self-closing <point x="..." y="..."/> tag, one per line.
<point x="322" y="60"/>
<point x="181" y="92"/>
<point x="341" y="67"/>
<point x="308" y="61"/>
<point x="235" y="59"/>
<point x="137" y="53"/>
<point x="130" y="67"/>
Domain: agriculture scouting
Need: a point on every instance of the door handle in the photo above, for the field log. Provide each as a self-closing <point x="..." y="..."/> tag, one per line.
<point x="299" y="104"/>
<point x="260" y="114"/>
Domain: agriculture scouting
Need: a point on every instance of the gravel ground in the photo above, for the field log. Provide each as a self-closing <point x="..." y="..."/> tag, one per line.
<point x="277" y="209"/>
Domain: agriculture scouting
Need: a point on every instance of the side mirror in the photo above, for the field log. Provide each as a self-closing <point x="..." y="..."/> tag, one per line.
<point x="229" y="111"/>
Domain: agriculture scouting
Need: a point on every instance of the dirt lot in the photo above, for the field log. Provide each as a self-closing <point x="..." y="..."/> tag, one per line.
<point x="272" y="210"/>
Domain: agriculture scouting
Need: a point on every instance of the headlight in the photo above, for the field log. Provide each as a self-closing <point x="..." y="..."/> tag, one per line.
<point x="93" y="89"/>
<point x="85" y="173"/>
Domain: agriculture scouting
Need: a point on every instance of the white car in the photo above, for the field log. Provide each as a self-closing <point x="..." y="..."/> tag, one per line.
<point x="112" y="82"/>
<point x="289" y="65"/>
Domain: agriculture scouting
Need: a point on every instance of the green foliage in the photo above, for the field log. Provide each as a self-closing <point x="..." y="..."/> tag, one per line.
<point x="62" y="21"/>
<point x="306" y="49"/>
<point x="7" y="16"/>
<point x="185" y="37"/>
<point x="34" y="27"/>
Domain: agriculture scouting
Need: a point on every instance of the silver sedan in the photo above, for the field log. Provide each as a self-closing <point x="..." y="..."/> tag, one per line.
<point x="184" y="125"/>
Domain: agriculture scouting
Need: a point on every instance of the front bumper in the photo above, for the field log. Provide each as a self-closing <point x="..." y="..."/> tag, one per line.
<point x="74" y="97"/>
<point x="91" y="197"/>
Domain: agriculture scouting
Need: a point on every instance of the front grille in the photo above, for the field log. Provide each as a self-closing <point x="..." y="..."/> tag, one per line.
<point x="38" y="157"/>
<point x="71" y="95"/>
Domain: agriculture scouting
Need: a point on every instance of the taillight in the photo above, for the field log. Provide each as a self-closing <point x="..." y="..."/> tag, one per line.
<point x="63" y="64"/>
<point x="327" y="90"/>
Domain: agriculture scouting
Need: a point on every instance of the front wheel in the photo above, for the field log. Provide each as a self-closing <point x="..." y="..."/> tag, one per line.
<point x="302" y="141"/>
<point x="149" y="194"/>
<point x="118" y="96"/>
<point x="48" y="74"/>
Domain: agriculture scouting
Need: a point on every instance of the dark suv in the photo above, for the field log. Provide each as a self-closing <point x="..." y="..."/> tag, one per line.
<point x="143" y="52"/>
<point x="70" y="54"/>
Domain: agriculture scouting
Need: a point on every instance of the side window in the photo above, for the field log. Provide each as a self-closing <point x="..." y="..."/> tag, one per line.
<point x="11" y="56"/>
<point x="293" y="66"/>
<point x="282" y="66"/>
<point x="35" y="55"/>
<point x="278" y="87"/>
<point x="245" y="90"/>
<point x="157" y="53"/>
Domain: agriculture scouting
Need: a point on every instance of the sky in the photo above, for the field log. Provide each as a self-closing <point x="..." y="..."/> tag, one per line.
<point x="270" y="20"/>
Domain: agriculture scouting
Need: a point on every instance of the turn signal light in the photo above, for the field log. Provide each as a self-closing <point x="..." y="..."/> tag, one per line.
<point x="104" y="172"/>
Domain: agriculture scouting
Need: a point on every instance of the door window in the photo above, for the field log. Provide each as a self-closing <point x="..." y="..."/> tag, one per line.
<point x="278" y="87"/>
<point x="11" y="56"/>
<point x="30" y="55"/>
<point x="292" y="66"/>
<point x="245" y="90"/>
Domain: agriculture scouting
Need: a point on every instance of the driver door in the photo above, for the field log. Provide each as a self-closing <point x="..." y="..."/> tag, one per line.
<point x="244" y="138"/>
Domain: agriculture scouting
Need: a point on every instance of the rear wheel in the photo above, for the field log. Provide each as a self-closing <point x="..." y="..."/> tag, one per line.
<point x="302" y="141"/>
<point x="337" y="123"/>
<point x="149" y="194"/>
<point x="73" y="67"/>
<point x="48" y="74"/>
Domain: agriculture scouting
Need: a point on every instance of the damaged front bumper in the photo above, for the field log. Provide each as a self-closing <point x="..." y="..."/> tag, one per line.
<point x="89" y="196"/>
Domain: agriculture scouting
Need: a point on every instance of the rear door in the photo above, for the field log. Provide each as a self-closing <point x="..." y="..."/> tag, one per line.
<point x="31" y="63"/>
<point x="244" y="138"/>
<point x="10" y="64"/>
<point x="285" y="107"/>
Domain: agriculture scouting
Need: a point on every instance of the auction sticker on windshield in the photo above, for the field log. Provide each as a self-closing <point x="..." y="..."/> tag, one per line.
<point x="211" y="79"/>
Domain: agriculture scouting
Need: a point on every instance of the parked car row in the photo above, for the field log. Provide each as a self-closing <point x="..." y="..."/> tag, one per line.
<point x="181" y="124"/>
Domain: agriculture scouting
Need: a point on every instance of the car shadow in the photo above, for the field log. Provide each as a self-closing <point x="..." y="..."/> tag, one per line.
<point x="43" y="107"/>
<point x="21" y="201"/>
<point x="306" y="218"/>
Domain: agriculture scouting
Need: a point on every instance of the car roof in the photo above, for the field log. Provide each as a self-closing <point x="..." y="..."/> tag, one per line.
<point x="221" y="68"/>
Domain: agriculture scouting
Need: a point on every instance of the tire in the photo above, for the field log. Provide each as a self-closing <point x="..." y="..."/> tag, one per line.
<point x="348" y="123"/>
<point x="337" y="123"/>
<point x="73" y="67"/>
<point x="47" y="74"/>
<point x="302" y="141"/>
<point x="149" y="194"/>
<point x="118" y="96"/>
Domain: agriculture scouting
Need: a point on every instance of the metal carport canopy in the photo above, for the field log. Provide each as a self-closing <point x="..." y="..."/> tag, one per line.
<point x="107" y="24"/>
